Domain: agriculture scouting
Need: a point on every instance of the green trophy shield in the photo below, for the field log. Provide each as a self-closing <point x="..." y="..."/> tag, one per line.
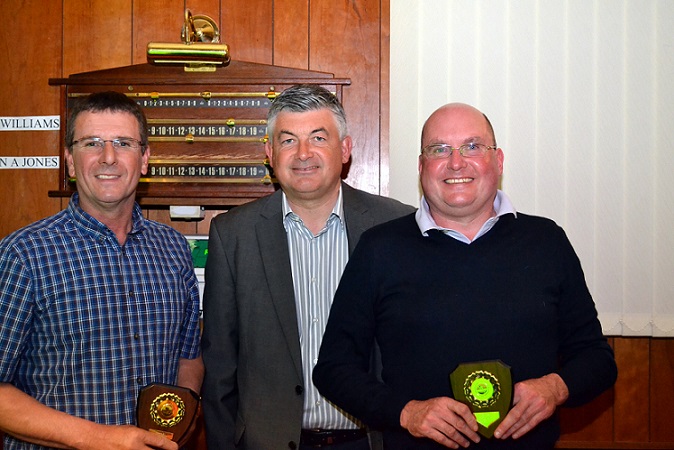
<point x="487" y="388"/>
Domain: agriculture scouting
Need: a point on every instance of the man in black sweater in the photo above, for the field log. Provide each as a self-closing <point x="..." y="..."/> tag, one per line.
<point x="466" y="278"/>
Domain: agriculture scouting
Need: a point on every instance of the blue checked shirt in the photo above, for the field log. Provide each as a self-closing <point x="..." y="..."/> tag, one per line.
<point x="85" y="323"/>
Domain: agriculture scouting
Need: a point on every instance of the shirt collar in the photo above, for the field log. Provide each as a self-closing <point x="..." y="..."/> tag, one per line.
<point x="502" y="206"/>
<point x="93" y="226"/>
<point x="337" y="210"/>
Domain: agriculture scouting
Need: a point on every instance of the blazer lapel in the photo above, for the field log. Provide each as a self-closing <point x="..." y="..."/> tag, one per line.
<point x="276" y="263"/>
<point x="356" y="215"/>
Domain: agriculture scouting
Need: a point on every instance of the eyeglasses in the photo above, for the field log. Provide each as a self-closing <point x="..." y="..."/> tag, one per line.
<point x="470" y="150"/>
<point x="98" y="144"/>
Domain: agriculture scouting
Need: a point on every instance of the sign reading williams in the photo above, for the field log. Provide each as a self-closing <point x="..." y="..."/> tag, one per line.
<point x="30" y="123"/>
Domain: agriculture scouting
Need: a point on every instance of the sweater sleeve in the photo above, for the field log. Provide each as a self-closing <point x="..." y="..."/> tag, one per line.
<point x="343" y="373"/>
<point x="587" y="363"/>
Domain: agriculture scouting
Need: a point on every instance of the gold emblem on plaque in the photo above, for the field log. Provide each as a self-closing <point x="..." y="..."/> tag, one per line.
<point x="167" y="410"/>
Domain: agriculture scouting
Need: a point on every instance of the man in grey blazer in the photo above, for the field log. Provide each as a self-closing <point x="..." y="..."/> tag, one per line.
<point x="272" y="270"/>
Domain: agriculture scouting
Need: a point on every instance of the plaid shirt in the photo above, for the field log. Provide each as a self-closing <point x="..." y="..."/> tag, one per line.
<point x="85" y="323"/>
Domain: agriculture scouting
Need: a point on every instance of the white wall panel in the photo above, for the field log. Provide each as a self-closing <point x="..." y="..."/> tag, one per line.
<point x="581" y="96"/>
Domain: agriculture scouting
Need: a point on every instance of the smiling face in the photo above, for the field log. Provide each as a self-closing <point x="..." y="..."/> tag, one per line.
<point x="106" y="179"/>
<point x="459" y="189"/>
<point x="307" y="155"/>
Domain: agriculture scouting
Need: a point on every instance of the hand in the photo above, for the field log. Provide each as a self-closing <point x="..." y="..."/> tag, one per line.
<point x="533" y="401"/>
<point x="127" y="437"/>
<point x="441" y="419"/>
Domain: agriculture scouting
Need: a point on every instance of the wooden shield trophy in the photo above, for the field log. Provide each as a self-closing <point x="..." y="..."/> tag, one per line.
<point x="168" y="410"/>
<point x="486" y="387"/>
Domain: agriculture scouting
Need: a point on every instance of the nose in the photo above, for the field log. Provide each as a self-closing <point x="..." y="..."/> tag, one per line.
<point x="108" y="154"/>
<point x="456" y="161"/>
<point x="304" y="150"/>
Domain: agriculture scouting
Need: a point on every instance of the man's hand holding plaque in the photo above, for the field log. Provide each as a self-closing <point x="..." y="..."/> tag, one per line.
<point x="534" y="401"/>
<point x="486" y="387"/>
<point x="168" y="410"/>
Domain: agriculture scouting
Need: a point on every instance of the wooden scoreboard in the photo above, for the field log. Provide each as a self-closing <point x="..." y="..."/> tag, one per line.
<point x="206" y="129"/>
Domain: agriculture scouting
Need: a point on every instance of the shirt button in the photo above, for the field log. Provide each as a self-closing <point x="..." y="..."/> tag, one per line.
<point x="139" y="380"/>
<point x="299" y="390"/>
<point x="136" y="336"/>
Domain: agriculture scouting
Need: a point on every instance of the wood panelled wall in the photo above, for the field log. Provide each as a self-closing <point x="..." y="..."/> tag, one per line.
<point x="56" y="38"/>
<point x="636" y="414"/>
<point x="348" y="38"/>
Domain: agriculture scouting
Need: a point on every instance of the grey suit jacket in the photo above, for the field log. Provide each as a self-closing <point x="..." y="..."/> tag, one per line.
<point x="253" y="387"/>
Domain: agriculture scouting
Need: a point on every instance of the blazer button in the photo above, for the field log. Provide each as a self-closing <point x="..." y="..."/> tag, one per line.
<point x="299" y="390"/>
<point x="292" y="445"/>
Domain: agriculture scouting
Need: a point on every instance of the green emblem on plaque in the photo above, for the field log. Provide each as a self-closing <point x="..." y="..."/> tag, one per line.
<point x="486" y="387"/>
<point x="482" y="388"/>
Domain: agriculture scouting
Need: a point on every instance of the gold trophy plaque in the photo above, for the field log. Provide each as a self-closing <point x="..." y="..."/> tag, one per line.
<point x="486" y="387"/>
<point x="168" y="410"/>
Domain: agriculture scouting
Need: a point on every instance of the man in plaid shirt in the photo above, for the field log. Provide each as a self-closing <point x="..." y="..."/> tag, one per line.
<point x="96" y="301"/>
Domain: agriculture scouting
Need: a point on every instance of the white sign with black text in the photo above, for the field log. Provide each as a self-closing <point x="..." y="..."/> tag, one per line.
<point x="30" y="123"/>
<point x="29" y="162"/>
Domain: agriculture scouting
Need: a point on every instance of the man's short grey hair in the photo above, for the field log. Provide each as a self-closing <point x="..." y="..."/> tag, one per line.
<point x="307" y="97"/>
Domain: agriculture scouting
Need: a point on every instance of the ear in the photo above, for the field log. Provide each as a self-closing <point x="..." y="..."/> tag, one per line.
<point x="499" y="158"/>
<point x="145" y="161"/>
<point x="269" y="151"/>
<point x="70" y="162"/>
<point x="347" y="145"/>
